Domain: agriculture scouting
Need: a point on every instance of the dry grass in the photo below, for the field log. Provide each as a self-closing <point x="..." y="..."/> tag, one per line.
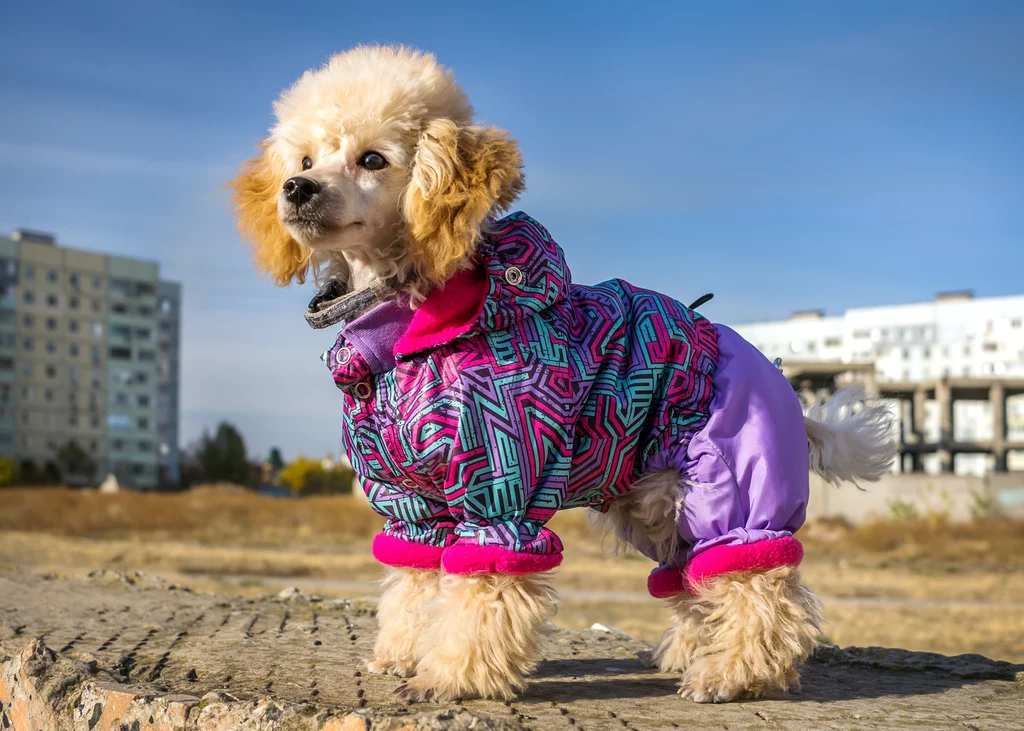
<point x="215" y="515"/>
<point x="923" y="584"/>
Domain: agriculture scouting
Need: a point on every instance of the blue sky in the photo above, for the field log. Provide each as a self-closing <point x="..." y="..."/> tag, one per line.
<point x="783" y="155"/>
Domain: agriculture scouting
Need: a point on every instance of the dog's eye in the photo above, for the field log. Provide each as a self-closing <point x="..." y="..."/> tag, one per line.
<point x="307" y="163"/>
<point x="372" y="161"/>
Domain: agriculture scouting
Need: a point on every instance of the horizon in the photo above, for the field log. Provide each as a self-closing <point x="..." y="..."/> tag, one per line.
<point x="797" y="157"/>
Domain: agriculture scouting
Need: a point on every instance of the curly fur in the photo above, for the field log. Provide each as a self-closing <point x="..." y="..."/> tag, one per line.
<point x="484" y="632"/>
<point x="848" y="439"/>
<point x="418" y="220"/>
<point x="752" y="631"/>
<point x="646" y="515"/>
<point x="401" y="620"/>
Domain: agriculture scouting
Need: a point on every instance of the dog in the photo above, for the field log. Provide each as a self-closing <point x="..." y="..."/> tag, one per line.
<point x="483" y="391"/>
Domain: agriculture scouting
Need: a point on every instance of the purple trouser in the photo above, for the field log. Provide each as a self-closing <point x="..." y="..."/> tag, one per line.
<point x="744" y="475"/>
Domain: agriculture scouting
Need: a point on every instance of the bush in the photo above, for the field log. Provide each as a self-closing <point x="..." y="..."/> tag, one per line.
<point x="308" y="477"/>
<point x="222" y="457"/>
<point x="10" y="473"/>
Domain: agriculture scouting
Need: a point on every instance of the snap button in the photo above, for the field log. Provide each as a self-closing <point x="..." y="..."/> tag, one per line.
<point x="343" y="356"/>
<point x="514" y="276"/>
<point x="363" y="390"/>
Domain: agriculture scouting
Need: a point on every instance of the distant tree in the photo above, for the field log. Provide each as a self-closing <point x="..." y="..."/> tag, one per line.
<point x="9" y="472"/>
<point x="73" y="461"/>
<point x="308" y="477"/>
<point x="222" y="457"/>
<point x="51" y="472"/>
<point x="275" y="460"/>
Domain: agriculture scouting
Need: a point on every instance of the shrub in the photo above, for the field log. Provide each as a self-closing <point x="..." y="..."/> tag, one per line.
<point x="9" y="471"/>
<point x="309" y="477"/>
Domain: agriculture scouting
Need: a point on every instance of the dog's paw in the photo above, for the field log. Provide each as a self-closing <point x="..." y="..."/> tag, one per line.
<point x="702" y="694"/>
<point x="385" y="666"/>
<point x="425" y="688"/>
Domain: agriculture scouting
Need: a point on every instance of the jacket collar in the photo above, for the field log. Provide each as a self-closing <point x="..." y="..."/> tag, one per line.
<point x="521" y="271"/>
<point x="333" y="304"/>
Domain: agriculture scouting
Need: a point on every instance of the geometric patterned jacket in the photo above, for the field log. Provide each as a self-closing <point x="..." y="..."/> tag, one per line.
<point x="512" y="393"/>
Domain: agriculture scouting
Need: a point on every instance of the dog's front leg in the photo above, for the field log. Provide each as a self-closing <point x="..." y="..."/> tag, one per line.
<point x="401" y="619"/>
<point x="480" y="636"/>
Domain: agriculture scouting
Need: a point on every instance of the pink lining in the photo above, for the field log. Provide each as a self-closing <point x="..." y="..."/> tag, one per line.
<point x="469" y="558"/>
<point x="406" y="554"/>
<point x="448" y="312"/>
<point x="759" y="556"/>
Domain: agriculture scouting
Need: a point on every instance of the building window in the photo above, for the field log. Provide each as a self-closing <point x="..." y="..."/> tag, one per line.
<point x="120" y="353"/>
<point x="73" y="326"/>
<point x="6" y="364"/>
<point x="905" y="353"/>
<point x="47" y="395"/>
<point x="28" y="296"/>
<point x="119" y="421"/>
<point x="119" y="308"/>
<point x="927" y="352"/>
<point x="97" y="283"/>
<point x="26" y="393"/>
<point x="96" y="354"/>
<point x="51" y="323"/>
<point x="73" y="349"/>
<point x="51" y="347"/>
<point x="117" y="444"/>
<point x="97" y="306"/>
<point x="120" y="286"/>
<point x="165" y="306"/>
<point x="27" y="320"/>
<point x="1015" y="323"/>
<point x="121" y="399"/>
<point x="143" y="400"/>
<point x="51" y="371"/>
<point x="51" y="276"/>
<point x="72" y="420"/>
<point x="51" y="300"/>
<point x="27" y="344"/>
<point x="143" y="333"/>
<point x="97" y="329"/>
<point x="833" y="342"/>
<point x="73" y="279"/>
<point x="26" y="369"/>
<point x="145" y="446"/>
<point x="967" y="350"/>
<point x="120" y="331"/>
<point x="990" y="347"/>
<point x="143" y="422"/>
<point x="145" y="311"/>
<point x="96" y="378"/>
<point x="30" y="272"/>
<point x="147" y="356"/>
<point x="73" y="303"/>
<point x="73" y="377"/>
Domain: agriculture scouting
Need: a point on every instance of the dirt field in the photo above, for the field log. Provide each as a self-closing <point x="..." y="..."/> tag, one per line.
<point x="919" y="585"/>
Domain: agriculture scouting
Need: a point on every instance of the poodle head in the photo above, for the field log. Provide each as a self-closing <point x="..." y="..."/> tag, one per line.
<point x="375" y="158"/>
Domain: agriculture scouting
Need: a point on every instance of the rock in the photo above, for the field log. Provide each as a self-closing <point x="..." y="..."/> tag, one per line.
<point x="126" y="654"/>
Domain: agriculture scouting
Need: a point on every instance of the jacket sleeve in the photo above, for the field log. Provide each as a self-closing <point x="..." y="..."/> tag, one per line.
<point x="509" y="467"/>
<point x="416" y="530"/>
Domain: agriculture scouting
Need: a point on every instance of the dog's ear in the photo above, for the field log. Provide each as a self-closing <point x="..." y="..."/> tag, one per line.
<point x="460" y="175"/>
<point x="255" y="197"/>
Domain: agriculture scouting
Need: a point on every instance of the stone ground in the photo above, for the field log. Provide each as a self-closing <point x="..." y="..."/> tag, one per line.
<point x="128" y="652"/>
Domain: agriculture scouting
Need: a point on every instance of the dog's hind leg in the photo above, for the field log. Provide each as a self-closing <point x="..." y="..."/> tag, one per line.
<point x="756" y="627"/>
<point x="481" y="635"/>
<point x="679" y="643"/>
<point x="401" y="619"/>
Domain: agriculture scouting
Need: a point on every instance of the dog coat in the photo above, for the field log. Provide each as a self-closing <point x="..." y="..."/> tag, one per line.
<point x="512" y="393"/>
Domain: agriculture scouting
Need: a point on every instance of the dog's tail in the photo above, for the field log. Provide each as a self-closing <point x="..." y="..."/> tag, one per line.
<point x="849" y="440"/>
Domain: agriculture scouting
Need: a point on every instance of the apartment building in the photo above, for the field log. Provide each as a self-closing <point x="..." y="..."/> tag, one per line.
<point x="957" y="337"/>
<point x="89" y="347"/>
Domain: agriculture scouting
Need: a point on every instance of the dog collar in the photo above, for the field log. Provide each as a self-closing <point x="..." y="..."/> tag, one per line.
<point x="333" y="304"/>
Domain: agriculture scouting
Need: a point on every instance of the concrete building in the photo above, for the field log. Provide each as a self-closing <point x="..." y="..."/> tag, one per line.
<point x="82" y="350"/>
<point x="954" y="367"/>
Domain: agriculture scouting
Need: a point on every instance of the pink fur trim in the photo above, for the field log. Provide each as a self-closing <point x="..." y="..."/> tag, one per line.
<point x="469" y="558"/>
<point x="759" y="556"/>
<point x="663" y="583"/>
<point x="448" y="312"/>
<point x="406" y="554"/>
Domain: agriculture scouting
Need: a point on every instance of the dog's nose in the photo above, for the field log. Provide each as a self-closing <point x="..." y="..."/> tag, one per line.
<point x="298" y="190"/>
